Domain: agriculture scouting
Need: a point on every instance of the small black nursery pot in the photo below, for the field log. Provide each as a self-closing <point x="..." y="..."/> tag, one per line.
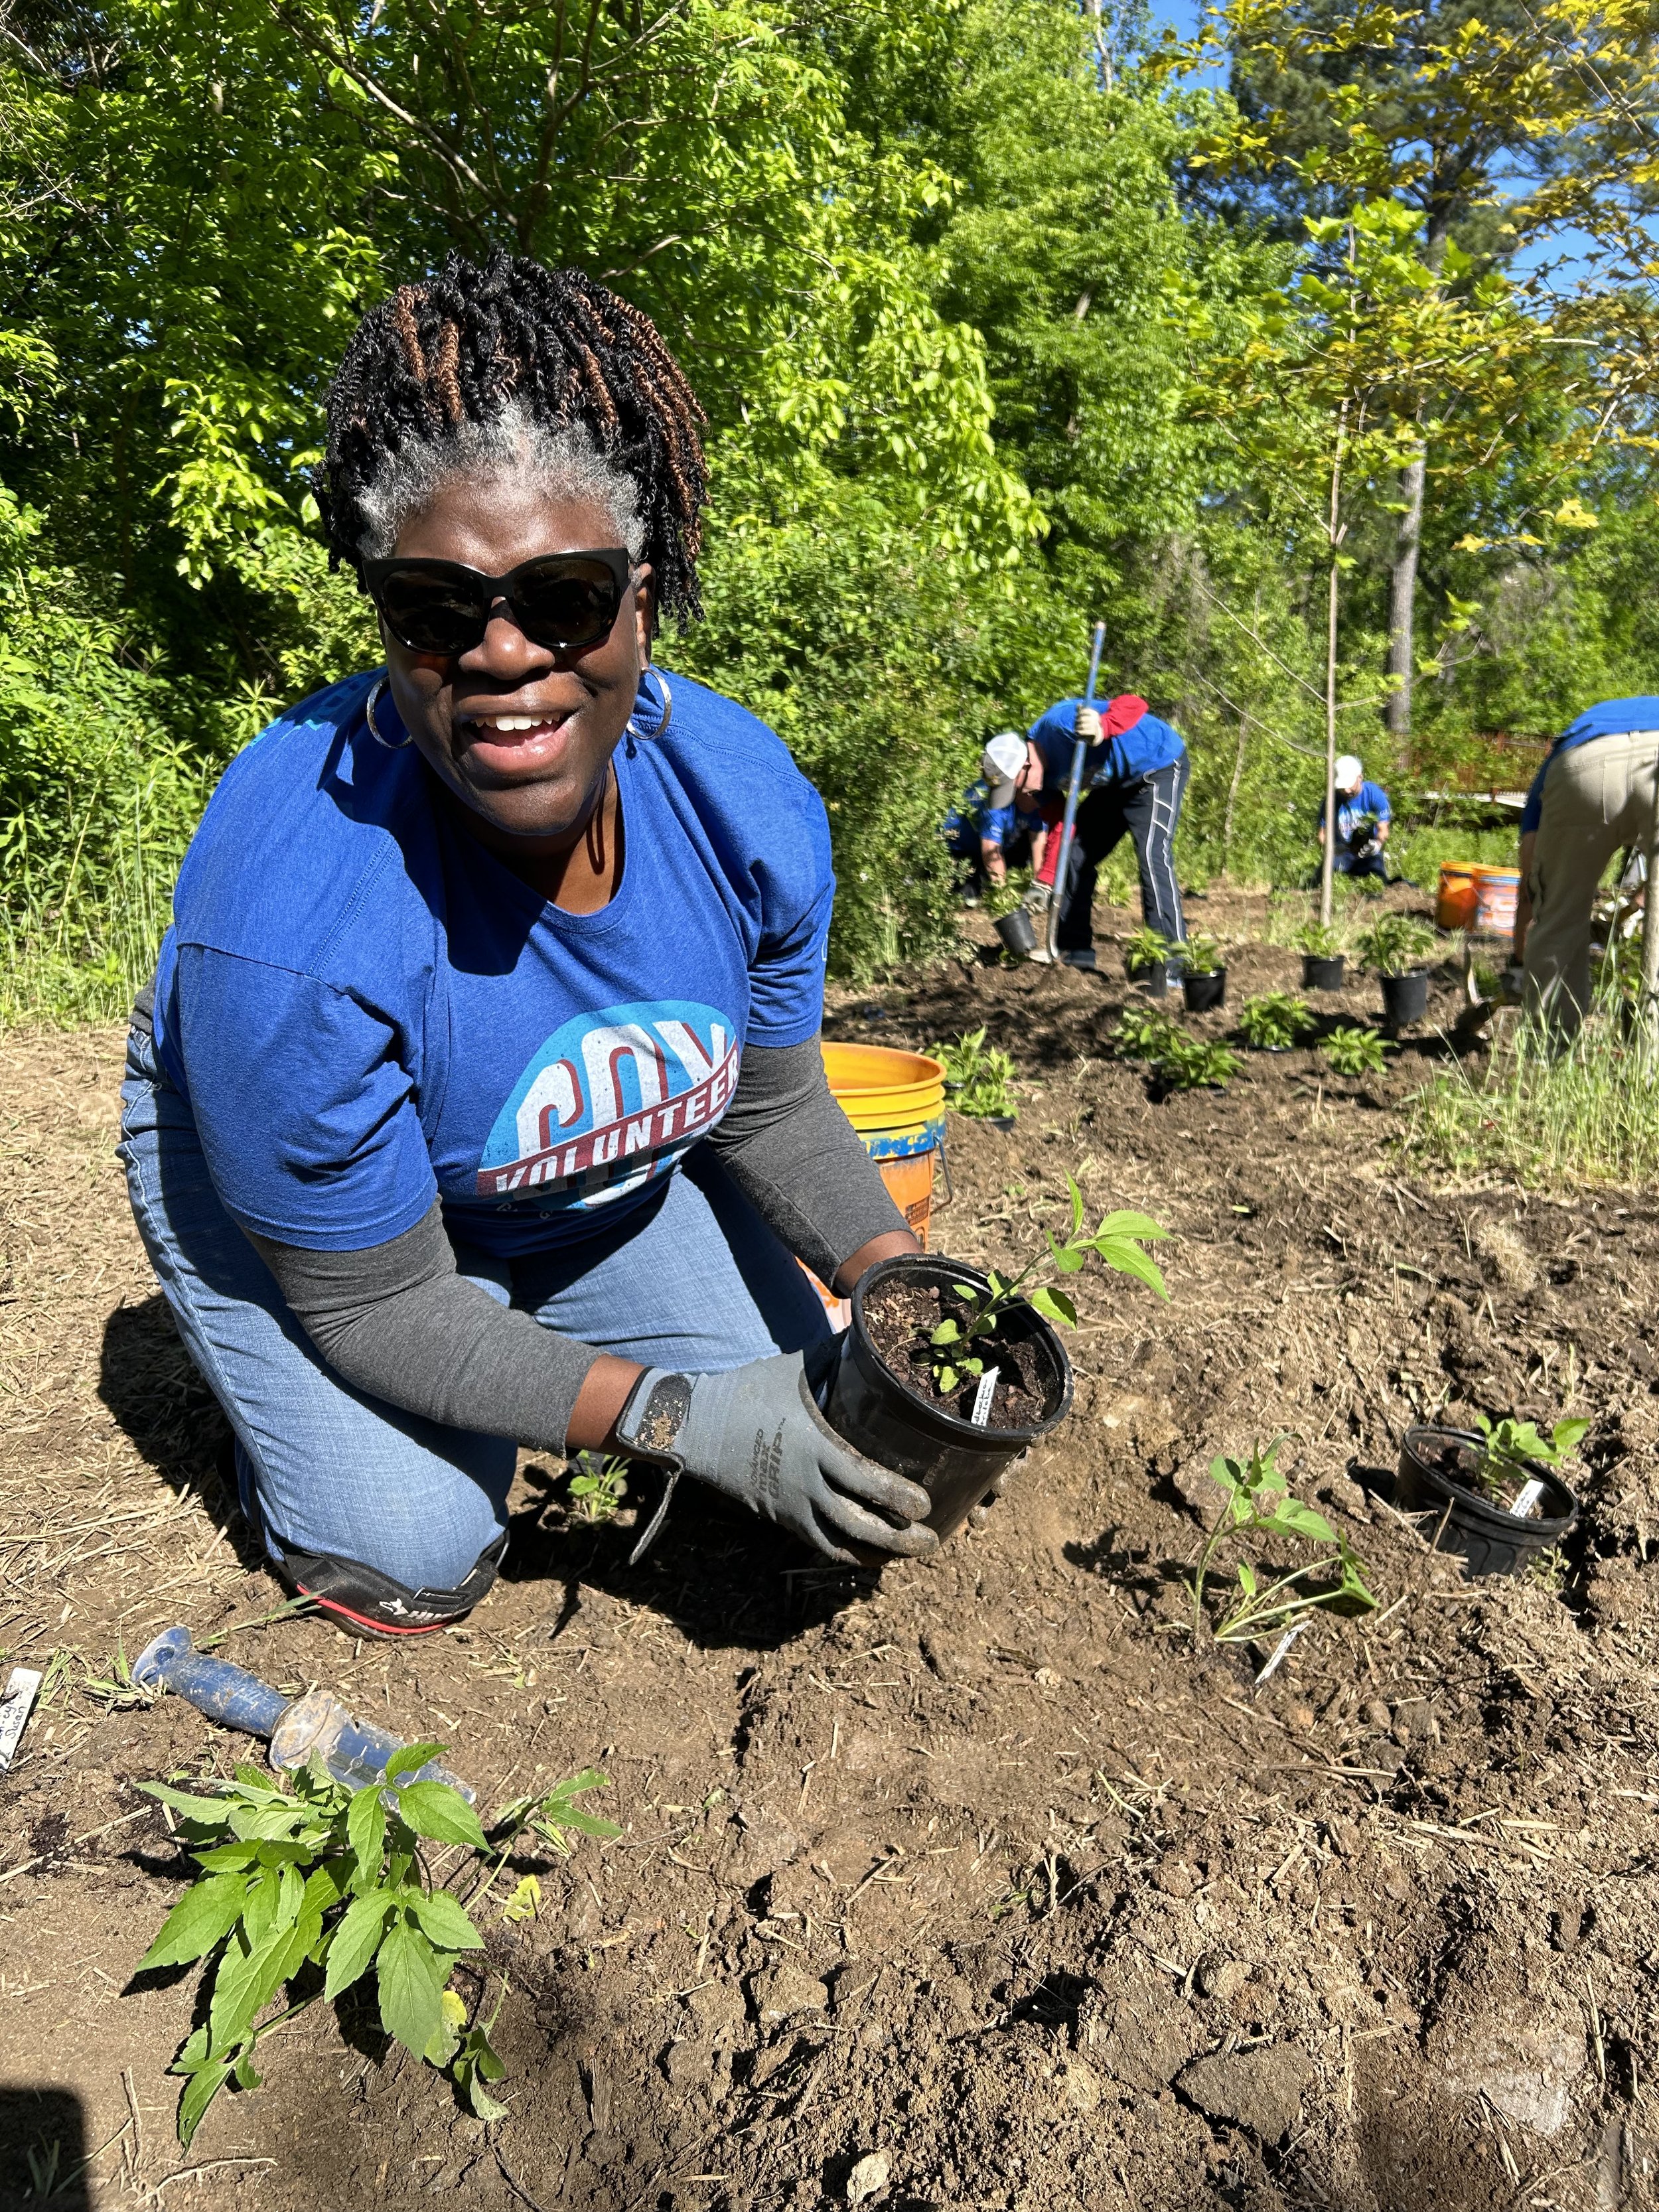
<point x="1151" y="975"/>
<point x="1405" y="998"/>
<point x="955" y="1460"/>
<point x="1437" y="1475"/>
<point x="1017" y="933"/>
<point x="1322" y="973"/>
<point x="1202" y="993"/>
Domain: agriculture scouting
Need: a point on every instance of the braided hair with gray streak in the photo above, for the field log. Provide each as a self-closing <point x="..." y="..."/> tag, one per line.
<point x="511" y="365"/>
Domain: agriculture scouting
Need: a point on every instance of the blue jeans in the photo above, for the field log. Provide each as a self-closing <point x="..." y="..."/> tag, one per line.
<point x="693" y="1280"/>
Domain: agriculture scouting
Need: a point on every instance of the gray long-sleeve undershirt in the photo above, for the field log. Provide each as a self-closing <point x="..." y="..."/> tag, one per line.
<point x="398" y="1321"/>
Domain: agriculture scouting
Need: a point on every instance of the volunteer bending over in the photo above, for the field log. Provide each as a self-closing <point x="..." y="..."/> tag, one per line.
<point x="1134" y="778"/>
<point x="1594" y="795"/>
<point x="480" y="1100"/>
<point x="996" y="811"/>
<point x="1363" y="818"/>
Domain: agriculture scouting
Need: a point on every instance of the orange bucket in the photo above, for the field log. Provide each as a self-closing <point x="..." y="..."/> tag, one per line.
<point x="1497" y="891"/>
<point x="1457" y="898"/>
<point x="896" y="1101"/>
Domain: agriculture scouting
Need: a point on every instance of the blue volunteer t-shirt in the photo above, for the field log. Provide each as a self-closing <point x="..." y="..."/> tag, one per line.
<point x="973" y="821"/>
<point x="1143" y="747"/>
<point x="1613" y="718"/>
<point x="1369" y="803"/>
<point x="367" y="1009"/>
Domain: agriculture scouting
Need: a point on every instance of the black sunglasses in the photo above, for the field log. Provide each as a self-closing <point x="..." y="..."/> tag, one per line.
<point x="566" y="600"/>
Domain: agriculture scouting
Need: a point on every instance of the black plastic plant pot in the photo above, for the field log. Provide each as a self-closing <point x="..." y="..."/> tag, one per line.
<point x="1152" y="976"/>
<point x="1323" y="972"/>
<point x="955" y="1461"/>
<point x="1406" y="997"/>
<point x="1017" y="933"/>
<point x="1203" y="993"/>
<point x="1437" y="1475"/>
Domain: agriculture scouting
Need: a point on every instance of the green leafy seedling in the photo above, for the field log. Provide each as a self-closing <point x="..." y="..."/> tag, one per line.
<point x="600" y="1486"/>
<point x="1147" y="947"/>
<point x="1320" y="940"/>
<point x="1141" y="1032"/>
<point x="313" y="1881"/>
<point x="1272" y="1021"/>
<point x="1118" y="1240"/>
<point x="1396" y="944"/>
<point x="979" y="1076"/>
<point x="1184" y="1062"/>
<point x="1201" y="955"/>
<point x="1514" y="1448"/>
<point x="1257" y="1502"/>
<point x="1354" y="1051"/>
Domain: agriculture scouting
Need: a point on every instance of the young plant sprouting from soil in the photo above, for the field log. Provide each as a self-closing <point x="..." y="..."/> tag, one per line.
<point x="979" y="1076"/>
<point x="599" y="1485"/>
<point x="1117" y="1241"/>
<point x="1352" y="1051"/>
<point x="1258" y="1503"/>
<point x="1147" y="947"/>
<point x="1396" y="944"/>
<point x="1274" y="1020"/>
<point x="1184" y="1062"/>
<point x="308" y="1888"/>
<point x="1515" y="1447"/>
<point x="1202" y="956"/>
<point x="1320" y="940"/>
<point x="1174" y="1056"/>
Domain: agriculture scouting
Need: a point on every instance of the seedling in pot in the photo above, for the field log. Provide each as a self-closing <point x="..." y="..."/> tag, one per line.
<point x="1202" y="956"/>
<point x="1514" y="1450"/>
<point x="1117" y="1241"/>
<point x="1396" y="944"/>
<point x="1320" y="940"/>
<point x="310" y="1887"/>
<point x="1258" y="1503"/>
<point x="1356" y="1052"/>
<point x="1147" y="947"/>
<point x="1275" y="1020"/>
<point x="978" y="1076"/>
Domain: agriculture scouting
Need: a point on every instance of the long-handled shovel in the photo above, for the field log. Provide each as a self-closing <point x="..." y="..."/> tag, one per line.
<point x="1072" y="789"/>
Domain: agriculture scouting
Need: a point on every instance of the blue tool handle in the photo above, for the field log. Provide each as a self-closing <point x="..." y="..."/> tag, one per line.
<point x="214" y="1686"/>
<point x="1075" y="786"/>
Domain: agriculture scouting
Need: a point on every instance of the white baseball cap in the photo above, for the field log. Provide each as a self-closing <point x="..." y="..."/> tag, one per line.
<point x="1000" y="762"/>
<point x="1350" y="772"/>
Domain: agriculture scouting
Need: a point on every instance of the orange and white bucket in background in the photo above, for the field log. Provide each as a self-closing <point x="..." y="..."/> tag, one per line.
<point x="896" y="1101"/>
<point x="1457" y="897"/>
<point x="1496" y="890"/>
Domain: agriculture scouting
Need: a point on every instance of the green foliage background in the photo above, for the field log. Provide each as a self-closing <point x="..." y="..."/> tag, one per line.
<point x="941" y="277"/>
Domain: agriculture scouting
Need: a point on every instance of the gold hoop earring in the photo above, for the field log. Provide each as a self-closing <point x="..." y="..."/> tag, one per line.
<point x="392" y="745"/>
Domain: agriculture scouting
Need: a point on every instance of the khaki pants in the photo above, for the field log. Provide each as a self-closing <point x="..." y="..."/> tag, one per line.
<point x="1598" y="798"/>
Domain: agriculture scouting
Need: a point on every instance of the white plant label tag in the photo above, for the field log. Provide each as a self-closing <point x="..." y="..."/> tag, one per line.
<point x="983" y="1395"/>
<point x="1528" y="1499"/>
<point x="15" y="1709"/>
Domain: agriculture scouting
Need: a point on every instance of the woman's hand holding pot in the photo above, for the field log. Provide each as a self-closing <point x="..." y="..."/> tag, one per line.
<point x="755" y="1433"/>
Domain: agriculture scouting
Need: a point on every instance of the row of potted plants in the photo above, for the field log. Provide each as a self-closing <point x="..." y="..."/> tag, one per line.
<point x="1396" y="948"/>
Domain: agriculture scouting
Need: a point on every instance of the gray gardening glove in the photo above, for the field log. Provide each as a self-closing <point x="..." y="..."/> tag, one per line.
<point x="755" y="1433"/>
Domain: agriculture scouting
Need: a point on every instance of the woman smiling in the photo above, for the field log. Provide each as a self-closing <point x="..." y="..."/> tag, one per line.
<point x="478" y="1099"/>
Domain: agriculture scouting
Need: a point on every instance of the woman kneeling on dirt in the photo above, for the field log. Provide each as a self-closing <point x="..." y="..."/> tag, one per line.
<point x="478" y="1099"/>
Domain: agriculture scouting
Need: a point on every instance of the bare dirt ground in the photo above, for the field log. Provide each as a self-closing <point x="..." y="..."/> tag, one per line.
<point x="978" y="1863"/>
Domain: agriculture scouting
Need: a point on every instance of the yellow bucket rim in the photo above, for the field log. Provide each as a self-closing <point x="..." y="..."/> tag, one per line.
<point x="879" y="1088"/>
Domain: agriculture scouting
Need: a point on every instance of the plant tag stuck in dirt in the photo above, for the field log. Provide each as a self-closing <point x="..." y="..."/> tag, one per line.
<point x="983" y="1395"/>
<point x="15" y="1709"/>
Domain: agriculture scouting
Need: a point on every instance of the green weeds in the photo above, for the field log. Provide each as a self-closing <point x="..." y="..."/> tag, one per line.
<point x="307" y="1888"/>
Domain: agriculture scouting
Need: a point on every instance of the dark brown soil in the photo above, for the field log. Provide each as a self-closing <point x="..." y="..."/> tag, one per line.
<point x="976" y="1862"/>
<point x="901" y="1319"/>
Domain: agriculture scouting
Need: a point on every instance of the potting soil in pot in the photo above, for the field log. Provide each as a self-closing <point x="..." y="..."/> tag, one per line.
<point x="901" y="1321"/>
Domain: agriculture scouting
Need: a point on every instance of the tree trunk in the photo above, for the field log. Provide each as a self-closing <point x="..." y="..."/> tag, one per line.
<point x="1328" y="854"/>
<point x="1403" y="598"/>
<point x="1232" y="794"/>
